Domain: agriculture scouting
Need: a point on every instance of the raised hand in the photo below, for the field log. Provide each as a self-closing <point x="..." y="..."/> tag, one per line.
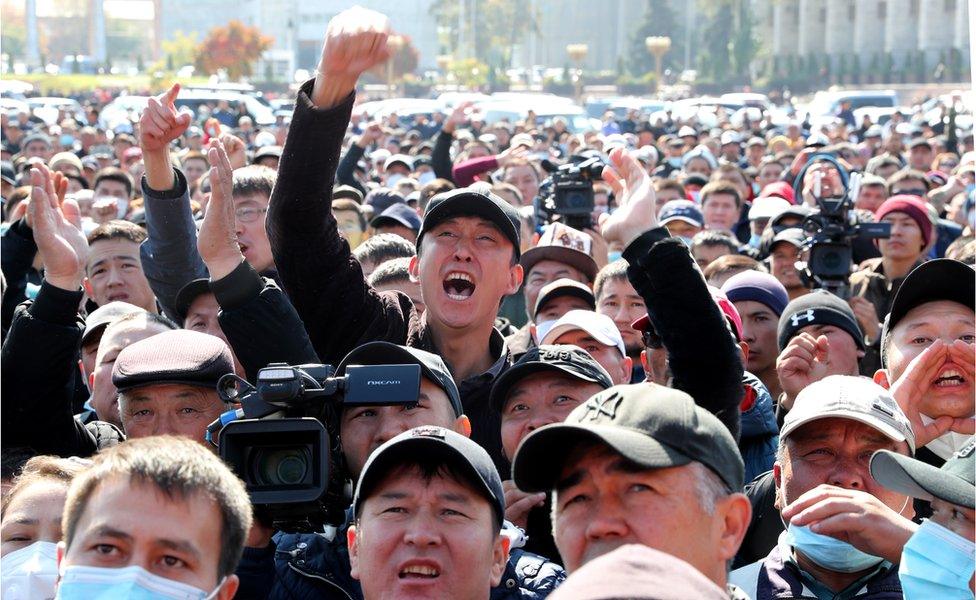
<point x="519" y="503"/>
<point x="855" y="517"/>
<point x="355" y="41"/>
<point x="56" y="223"/>
<point x="513" y="152"/>
<point x="217" y="240"/>
<point x="236" y="152"/>
<point x="867" y="317"/>
<point x="909" y="391"/>
<point x="458" y="116"/>
<point x="802" y="362"/>
<point x="372" y="133"/>
<point x="161" y="123"/>
<point x="635" y="198"/>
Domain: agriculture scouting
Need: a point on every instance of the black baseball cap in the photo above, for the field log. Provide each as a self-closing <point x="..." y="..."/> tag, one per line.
<point x="564" y="286"/>
<point x="651" y="425"/>
<point x="939" y="279"/>
<point x="177" y="356"/>
<point x="429" y="443"/>
<point x="467" y="202"/>
<point x="955" y="482"/>
<point x="397" y="214"/>
<point x="564" y="359"/>
<point x="188" y="293"/>
<point x="431" y="366"/>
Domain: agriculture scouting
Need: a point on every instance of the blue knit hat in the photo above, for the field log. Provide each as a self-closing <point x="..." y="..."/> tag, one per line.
<point x="758" y="287"/>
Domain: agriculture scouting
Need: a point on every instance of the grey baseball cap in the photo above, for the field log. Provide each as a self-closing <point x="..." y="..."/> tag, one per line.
<point x="103" y="316"/>
<point x="849" y="397"/>
<point x="651" y="425"/>
<point x="955" y="482"/>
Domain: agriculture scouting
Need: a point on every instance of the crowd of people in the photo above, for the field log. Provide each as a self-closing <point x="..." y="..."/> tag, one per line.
<point x="656" y="403"/>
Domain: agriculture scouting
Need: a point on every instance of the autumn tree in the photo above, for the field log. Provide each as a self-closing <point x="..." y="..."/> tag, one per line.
<point x="233" y="48"/>
<point x="492" y="27"/>
<point x="405" y="59"/>
<point x="180" y="50"/>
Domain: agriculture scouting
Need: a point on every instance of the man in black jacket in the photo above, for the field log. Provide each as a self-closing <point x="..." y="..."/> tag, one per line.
<point x="468" y="248"/>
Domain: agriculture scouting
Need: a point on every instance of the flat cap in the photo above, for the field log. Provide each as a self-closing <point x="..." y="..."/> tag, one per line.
<point x="179" y="356"/>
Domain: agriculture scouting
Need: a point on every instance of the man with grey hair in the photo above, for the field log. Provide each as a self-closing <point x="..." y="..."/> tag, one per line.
<point x="844" y="532"/>
<point x="646" y="466"/>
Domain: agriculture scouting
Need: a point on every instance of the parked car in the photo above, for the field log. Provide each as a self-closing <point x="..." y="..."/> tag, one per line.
<point x="194" y="99"/>
<point x="124" y="109"/>
<point x="48" y="108"/>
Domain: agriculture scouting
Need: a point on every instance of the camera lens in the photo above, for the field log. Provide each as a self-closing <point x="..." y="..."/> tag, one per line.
<point x="281" y="466"/>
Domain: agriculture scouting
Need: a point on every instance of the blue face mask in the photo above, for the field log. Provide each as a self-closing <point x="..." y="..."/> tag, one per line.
<point x="615" y="255"/>
<point x="67" y="140"/>
<point x="828" y="552"/>
<point x="134" y="583"/>
<point x="755" y="240"/>
<point x="937" y="563"/>
<point x="686" y="240"/>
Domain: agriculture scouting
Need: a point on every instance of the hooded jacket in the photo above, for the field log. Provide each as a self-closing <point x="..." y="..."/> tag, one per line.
<point x="760" y="435"/>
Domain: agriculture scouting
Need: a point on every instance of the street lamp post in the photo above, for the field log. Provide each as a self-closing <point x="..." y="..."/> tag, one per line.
<point x="394" y="43"/>
<point x="443" y="64"/>
<point x="578" y="52"/>
<point x="658" y="46"/>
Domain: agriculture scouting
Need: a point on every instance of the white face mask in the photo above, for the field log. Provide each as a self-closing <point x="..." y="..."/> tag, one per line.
<point x="392" y="179"/>
<point x="30" y="573"/>
<point x="133" y="582"/>
<point x="426" y="177"/>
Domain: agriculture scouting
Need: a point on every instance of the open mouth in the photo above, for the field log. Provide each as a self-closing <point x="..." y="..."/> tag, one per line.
<point x="459" y="286"/>
<point x="118" y="297"/>
<point x="243" y="247"/>
<point x="421" y="572"/>
<point x="949" y="378"/>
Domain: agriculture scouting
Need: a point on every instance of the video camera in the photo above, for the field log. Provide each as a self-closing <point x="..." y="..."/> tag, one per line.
<point x="283" y="441"/>
<point x="831" y="231"/>
<point x="568" y="191"/>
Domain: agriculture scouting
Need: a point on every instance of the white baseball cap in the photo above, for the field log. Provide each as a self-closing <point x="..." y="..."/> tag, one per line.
<point x="768" y="207"/>
<point x="600" y="327"/>
<point x="850" y="397"/>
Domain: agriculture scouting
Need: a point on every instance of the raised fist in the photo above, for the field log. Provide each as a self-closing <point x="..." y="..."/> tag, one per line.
<point x="160" y="123"/>
<point x="355" y="42"/>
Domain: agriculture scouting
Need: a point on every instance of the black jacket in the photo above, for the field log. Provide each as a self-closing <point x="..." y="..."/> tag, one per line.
<point x="39" y="372"/>
<point x="17" y="251"/>
<point x="324" y="281"/>
<point x="702" y="356"/>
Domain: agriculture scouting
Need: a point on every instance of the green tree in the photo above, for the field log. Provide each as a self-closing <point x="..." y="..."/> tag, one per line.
<point x="714" y="55"/>
<point x="743" y="44"/>
<point x="494" y="26"/>
<point x="233" y="48"/>
<point x="180" y="50"/>
<point x="659" y="20"/>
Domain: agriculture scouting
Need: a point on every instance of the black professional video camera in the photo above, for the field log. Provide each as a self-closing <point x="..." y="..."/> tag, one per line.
<point x="568" y="191"/>
<point x="831" y="231"/>
<point x="283" y="441"/>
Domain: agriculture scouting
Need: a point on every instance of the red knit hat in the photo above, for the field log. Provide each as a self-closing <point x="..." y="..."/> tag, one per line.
<point x="911" y="206"/>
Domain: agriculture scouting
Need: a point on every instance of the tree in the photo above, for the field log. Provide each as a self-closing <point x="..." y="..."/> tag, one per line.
<point x="659" y="20"/>
<point x="233" y="48"/>
<point x="180" y="50"/>
<point x="715" y="57"/>
<point x="405" y="60"/>
<point x="494" y="27"/>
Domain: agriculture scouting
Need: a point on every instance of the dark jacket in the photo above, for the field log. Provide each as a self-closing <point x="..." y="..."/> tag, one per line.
<point x="777" y="577"/>
<point x="326" y="284"/>
<point x="760" y="434"/>
<point x="169" y="255"/>
<point x="39" y="371"/>
<point x="702" y="355"/>
<point x="765" y="524"/>
<point x="346" y="171"/>
<point x="311" y="566"/>
<point x="17" y="251"/>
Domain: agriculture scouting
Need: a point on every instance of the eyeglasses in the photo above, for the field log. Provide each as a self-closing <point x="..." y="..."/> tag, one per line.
<point x="249" y="214"/>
